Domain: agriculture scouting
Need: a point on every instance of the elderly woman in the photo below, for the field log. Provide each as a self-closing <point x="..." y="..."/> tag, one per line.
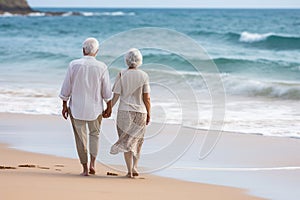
<point x="132" y="87"/>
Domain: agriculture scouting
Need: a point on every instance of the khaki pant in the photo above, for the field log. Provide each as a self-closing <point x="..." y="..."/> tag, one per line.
<point x="80" y="133"/>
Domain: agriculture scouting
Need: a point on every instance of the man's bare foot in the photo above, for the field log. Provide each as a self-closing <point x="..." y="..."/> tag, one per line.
<point x="92" y="171"/>
<point x="84" y="170"/>
<point x="92" y="165"/>
<point x="84" y="174"/>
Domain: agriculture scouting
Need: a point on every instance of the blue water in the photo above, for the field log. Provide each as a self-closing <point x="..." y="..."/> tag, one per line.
<point x="256" y="51"/>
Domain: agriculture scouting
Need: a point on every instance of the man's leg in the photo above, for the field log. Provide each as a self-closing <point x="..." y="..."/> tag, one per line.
<point x="79" y="129"/>
<point x="94" y="129"/>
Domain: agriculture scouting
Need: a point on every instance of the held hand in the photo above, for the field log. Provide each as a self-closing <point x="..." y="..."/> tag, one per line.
<point x="104" y="115"/>
<point x="65" y="112"/>
<point x="107" y="113"/>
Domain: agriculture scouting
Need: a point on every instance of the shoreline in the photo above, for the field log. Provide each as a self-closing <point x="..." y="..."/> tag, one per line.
<point x="169" y="124"/>
<point x="53" y="136"/>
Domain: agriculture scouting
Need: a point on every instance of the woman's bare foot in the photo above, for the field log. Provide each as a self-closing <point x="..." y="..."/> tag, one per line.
<point x="135" y="172"/>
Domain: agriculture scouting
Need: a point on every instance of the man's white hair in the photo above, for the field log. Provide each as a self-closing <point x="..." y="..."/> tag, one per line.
<point x="90" y="45"/>
<point x="134" y="58"/>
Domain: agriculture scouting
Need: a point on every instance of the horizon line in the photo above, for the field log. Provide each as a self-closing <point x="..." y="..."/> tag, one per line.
<point x="295" y="8"/>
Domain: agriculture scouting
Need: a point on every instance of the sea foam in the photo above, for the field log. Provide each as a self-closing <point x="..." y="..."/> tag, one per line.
<point x="66" y="14"/>
<point x="253" y="37"/>
<point x="116" y="13"/>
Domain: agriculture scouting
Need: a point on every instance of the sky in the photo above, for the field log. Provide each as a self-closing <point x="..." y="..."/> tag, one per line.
<point x="168" y="3"/>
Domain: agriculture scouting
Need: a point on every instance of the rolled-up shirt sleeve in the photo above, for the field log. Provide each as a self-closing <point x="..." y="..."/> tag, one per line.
<point x="66" y="88"/>
<point x="106" y="87"/>
<point x="146" y="86"/>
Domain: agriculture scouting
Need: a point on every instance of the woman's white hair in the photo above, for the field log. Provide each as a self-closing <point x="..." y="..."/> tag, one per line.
<point x="134" y="58"/>
<point x="90" y="46"/>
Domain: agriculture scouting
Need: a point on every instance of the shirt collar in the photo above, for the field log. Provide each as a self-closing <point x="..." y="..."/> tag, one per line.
<point x="88" y="57"/>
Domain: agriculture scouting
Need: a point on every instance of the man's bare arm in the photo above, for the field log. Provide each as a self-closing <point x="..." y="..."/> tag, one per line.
<point x="64" y="111"/>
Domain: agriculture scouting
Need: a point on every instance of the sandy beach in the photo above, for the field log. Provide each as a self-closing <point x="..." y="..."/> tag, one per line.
<point x="52" y="177"/>
<point x="255" y="164"/>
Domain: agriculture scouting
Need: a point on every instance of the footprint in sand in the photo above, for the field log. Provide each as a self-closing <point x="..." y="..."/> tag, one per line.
<point x="59" y="166"/>
<point x="32" y="166"/>
<point x="7" y="167"/>
<point x="27" y="166"/>
<point x="111" y="174"/>
<point x="43" y="167"/>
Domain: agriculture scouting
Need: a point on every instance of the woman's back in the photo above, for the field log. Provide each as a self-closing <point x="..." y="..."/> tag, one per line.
<point x="131" y="84"/>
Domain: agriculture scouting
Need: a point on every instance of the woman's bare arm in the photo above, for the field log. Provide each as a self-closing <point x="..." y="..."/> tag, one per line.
<point x="146" y="99"/>
<point x="115" y="99"/>
<point x="110" y="104"/>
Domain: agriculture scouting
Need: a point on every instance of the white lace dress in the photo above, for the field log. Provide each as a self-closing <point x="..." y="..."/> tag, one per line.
<point x="131" y="128"/>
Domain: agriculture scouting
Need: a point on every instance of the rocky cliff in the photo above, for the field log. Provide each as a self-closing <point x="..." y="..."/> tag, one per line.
<point x="15" y="6"/>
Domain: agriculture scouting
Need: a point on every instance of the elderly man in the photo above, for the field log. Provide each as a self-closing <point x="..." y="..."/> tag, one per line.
<point x="86" y="85"/>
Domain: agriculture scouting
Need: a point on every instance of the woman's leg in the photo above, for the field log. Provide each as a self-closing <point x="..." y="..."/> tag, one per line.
<point x="128" y="159"/>
<point x="137" y="156"/>
<point x="134" y="169"/>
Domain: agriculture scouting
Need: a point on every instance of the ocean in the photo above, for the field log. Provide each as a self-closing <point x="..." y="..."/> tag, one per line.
<point x="258" y="77"/>
<point x="256" y="52"/>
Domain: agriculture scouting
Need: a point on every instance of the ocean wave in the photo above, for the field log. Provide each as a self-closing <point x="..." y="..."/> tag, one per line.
<point x="27" y="93"/>
<point x="116" y="13"/>
<point x="29" y="100"/>
<point x="271" y="41"/>
<point x="224" y="60"/>
<point x="32" y="14"/>
<point x="233" y="64"/>
<point x="89" y="14"/>
<point x="67" y="14"/>
<point x="175" y="61"/>
<point x="297" y="68"/>
<point x="48" y="55"/>
<point x="235" y="85"/>
<point x="7" y="14"/>
<point x="242" y="62"/>
<point x="37" y="14"/>
<point x="253" y="37"/>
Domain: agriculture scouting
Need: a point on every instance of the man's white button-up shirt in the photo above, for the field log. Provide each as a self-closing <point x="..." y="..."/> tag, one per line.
<point x="86" y="85"/>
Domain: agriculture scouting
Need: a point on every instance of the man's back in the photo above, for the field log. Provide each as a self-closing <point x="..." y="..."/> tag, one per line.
<point x="87" y="84"/>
